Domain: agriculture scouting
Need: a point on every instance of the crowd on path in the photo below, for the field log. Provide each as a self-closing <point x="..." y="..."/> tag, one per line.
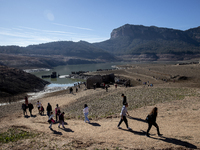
<point x="150" y="119"/>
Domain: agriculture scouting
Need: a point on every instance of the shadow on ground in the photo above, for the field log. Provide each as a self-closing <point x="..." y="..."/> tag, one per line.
<point x="138" y="119"/>
<point x="95" y="124"/>
<point x="56" y="132"/>
<point x="176" y="142"/>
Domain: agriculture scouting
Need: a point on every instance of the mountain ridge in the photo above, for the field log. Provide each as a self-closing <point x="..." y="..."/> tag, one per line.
<point x="137" y="39"/>
<point x="147" y="42"/>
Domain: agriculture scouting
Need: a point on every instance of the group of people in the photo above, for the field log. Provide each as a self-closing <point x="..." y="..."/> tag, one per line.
<point x="26" y="106"/>
<point x="151" y="118"/>
<point x="59" y="116"/>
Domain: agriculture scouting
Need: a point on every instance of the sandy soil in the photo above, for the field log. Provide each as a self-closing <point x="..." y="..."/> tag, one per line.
<point x="178" y="120"/>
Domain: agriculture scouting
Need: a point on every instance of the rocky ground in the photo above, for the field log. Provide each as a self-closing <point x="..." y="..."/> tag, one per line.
<point x="175" y="92"/>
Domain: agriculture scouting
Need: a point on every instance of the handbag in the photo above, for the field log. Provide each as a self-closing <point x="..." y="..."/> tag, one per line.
<point x="148" y="118"/>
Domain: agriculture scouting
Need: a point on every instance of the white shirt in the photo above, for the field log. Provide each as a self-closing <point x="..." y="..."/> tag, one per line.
<point x="38" y="104"/>
<point x="51" y="117"/>
<point x="85" y="110"/>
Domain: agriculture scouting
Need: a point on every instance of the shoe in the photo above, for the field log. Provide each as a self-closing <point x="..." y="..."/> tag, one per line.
<point x="129" y="128"/>
<point x="119" y="127"/>
<point x="147" y="135"/>
<point x="159" y="134"/>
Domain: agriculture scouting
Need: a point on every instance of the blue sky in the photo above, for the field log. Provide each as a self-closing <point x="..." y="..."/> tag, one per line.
<point x="26" y="22"/>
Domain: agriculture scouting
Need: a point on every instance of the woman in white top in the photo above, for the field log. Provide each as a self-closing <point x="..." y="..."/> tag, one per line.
<point x="85" y="112"/>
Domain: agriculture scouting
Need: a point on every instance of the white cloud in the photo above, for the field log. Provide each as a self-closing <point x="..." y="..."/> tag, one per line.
<point x="73" y="26"/>
<point x="24" y="36"/>
<point x="49" y="15"/>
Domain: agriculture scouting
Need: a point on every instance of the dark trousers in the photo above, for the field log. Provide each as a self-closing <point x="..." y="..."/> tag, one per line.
<point x="24" y="112"/>
<point x="57" y="117"/>
<point x="125" y="120"/>
<point x="48" y="113"/>
<point x="30" y="110"/>
<point x="150" y="125"/>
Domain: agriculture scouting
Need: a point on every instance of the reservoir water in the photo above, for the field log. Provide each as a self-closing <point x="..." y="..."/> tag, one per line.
<point x="67" y="69"/>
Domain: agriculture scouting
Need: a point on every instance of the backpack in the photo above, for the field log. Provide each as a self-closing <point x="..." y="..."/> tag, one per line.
<point x="148" y="118"/>
<point x="58" y="111"/>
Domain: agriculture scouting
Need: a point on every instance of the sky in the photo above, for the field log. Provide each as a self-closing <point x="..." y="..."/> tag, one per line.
<point x="28" y="22"/>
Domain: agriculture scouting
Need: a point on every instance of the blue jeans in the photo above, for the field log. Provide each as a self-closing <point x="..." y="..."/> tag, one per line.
<point x="86" y="118"/>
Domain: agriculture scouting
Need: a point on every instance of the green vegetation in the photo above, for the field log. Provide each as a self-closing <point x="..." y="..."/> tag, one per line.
<point x="103" y="105"/>
<point x="13" y="135"/>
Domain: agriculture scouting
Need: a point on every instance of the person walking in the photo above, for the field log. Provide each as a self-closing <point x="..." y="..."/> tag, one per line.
<point x="106" y="88"/>
<point x="86" y="112"/>
<point x="24" y="109"/>
<point x="30" y="107"/>
<point x="38" y="106"/>
<point x="57" y="112"/>
<point x="48" y="109"/>
<point x="124" y="99"/>
<point x="61" y="120"/>
<point x="151" y="120"/>
<point x="123" y="116"/>
<point x="51" y="121"/>
<point x="26" y="101"/>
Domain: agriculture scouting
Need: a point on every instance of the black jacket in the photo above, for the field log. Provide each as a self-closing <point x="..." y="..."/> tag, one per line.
<point x="124" y="100"/>
<point x="49" y="108"/>
<point x="152" y="118"/>
<point x="61" y="117"/>
<point x="30" y="106"/>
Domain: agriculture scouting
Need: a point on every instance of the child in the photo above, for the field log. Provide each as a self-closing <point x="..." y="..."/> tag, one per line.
<point x="51" y="121"/>
<point x="85" y="112"/>
<point x="24" y="109"/>
<point x="61" y="120"/>
<point x="38" y="106"/>
<point x="42" y="110"/>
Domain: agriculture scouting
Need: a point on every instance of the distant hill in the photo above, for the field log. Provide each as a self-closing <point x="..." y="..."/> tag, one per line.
<point x="80" y="49"/>
<point x="66" y="48"/>
<point x="15" y="82"/>
<point x="52" y="54"/>
<point x="138" y="39"/>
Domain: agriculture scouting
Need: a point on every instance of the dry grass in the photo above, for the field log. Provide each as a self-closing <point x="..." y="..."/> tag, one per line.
<point x="107" y="104"/>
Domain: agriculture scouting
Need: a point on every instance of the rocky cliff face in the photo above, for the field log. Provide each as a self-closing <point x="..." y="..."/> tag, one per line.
<point x="15" y="81"/>
<point x="153" y="33"/>
<point x="139" y="39"/>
